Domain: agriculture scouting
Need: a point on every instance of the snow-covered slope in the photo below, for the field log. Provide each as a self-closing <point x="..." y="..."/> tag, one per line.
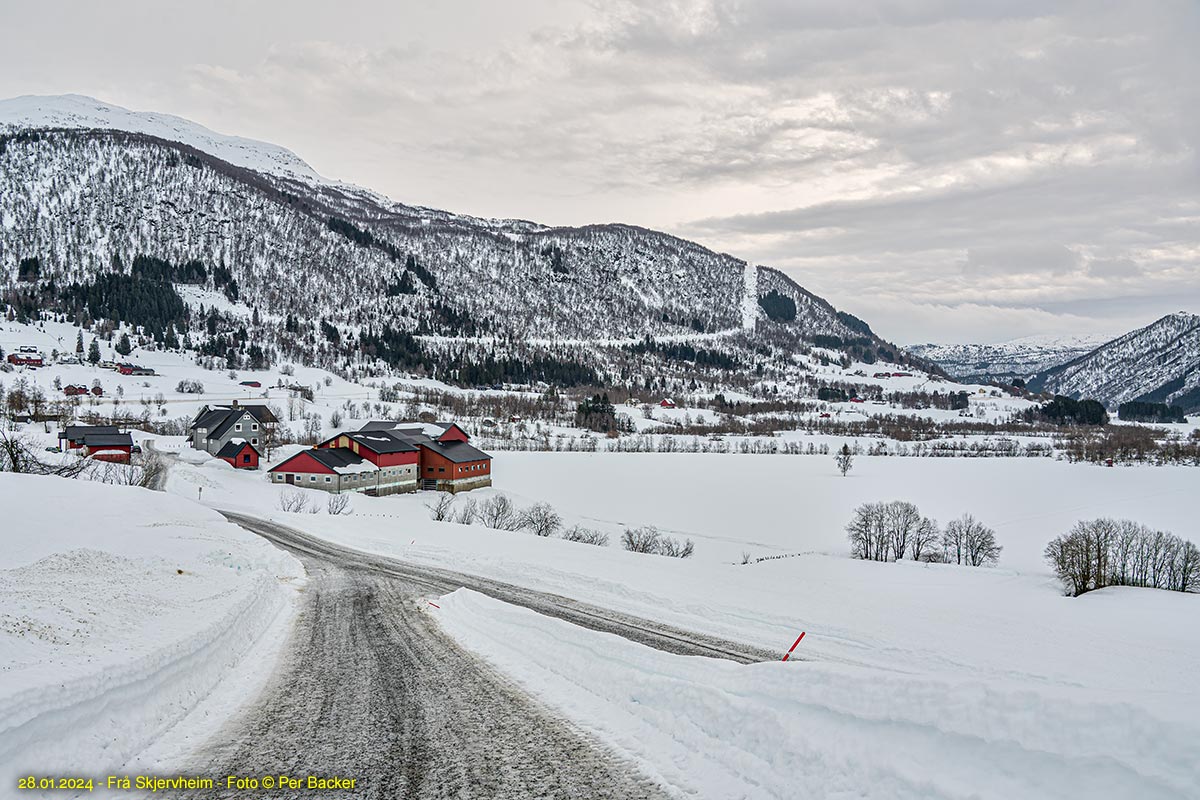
<point x="1160" y="362"/>
<point x="1018" y="358"/>
<point x="78" y="111"/>
<point x="83" y="183"/>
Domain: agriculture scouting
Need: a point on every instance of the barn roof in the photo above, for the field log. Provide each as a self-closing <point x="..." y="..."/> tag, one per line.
<point x="77" y="432"/>
<point x="382" y="442"/>
<point x="233" y="447"/>
<point x="458" y="452"/>
<point x="107" y="440"/>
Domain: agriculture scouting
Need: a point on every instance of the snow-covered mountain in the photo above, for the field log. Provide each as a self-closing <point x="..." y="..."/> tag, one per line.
<point x="80" y="112"/>
<point x="1159" y="363"/>
<point x="86" y="187"/>
<point x="1017" y="358"/>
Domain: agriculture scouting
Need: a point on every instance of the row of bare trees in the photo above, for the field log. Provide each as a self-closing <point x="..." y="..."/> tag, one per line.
<point x="896" y="530"/>
<point x="498" y="512"/>
<point x="1120" y="552"/>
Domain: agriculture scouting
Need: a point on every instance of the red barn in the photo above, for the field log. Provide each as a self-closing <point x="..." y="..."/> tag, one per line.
<point x="667" y="403"/>
<point x="384" y="458"/>
<point x="239" y="453"/>
<point x="26" y="359"/>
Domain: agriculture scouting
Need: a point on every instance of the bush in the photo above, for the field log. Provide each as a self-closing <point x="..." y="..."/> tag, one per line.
<point x="647" y="539"/>
<point x="540" y="519"/>
<point x="189" y="387"/>
<point x="1108" y="552"/>
<point x="578" y="533"/>
<point x="890" y="531"/>
<point x="338" y="504"/>
<point x="497" y="512"/>
<point x="439" y="510"/>
<point x="293" y="500"/>
<point x="968" y="541"/>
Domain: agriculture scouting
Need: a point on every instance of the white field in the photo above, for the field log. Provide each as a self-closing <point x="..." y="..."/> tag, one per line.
<point x="916" y="680"/>
<point x="123" y="611"/>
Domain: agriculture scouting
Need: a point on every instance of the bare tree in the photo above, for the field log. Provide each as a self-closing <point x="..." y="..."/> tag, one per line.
<point x="338" y="504"/>
<point x="647" y="539"/>
<point x="886" y="531"/>
<point x="439" y="510"/>
<point x="497" y="512"/>
<point x="541" y="519"/>
<point x="968" y="541"/>
<point x="468" y="512"/>
<point x="17" y="455"/>
<point x="578" y="533"/>
<point x="640" y="540"/>
<point x="844" y="459"/>
<point x="293" y="500"/>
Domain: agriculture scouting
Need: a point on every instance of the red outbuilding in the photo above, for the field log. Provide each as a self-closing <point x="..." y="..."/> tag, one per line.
<point x="239" y="453"/>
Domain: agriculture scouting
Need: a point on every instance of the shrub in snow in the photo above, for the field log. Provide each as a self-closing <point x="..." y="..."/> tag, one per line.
<point x="968" y="541"/>
<point x="293" y="500"/>
<point x="468" y="512"/>
<point x="338" y="504"/>
<point x="1110" y="552"/>
<point x="578" y="533"/>
<point x="891" y="531"/>
<point x="540" y="519"/>
<point x="439" y="510"/>
<point x="497" y="512"/>
<point x="189" y="387"/>
<point x="647" y="539"/>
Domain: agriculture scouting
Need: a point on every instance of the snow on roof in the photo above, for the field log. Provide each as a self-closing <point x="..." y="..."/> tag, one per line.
<point x="351" y="469"/>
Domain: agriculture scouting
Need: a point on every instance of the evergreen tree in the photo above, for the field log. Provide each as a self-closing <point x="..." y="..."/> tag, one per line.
<point x="123" y="346"/>
<point x="79" y="344"/>
<point x="94" y="352"/>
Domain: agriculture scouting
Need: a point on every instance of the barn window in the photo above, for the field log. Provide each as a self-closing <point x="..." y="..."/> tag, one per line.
<point x="327" y="479"/>
<point x="312" y="478"/>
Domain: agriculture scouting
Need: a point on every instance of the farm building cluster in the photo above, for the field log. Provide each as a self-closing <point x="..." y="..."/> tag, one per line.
<point x="383" y="457"/>
<point x="387" y="457"/>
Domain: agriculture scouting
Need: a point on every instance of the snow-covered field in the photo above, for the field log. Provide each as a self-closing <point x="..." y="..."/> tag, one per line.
<point x="917" y="680"/>
<point x="123" y="611"/>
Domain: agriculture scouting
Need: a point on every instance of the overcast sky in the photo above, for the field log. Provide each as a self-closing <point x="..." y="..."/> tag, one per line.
<point x="949" y="171"/>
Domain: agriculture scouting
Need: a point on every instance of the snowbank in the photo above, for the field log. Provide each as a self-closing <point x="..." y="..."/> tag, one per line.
<point x="712" y="729"/>
<point x="122" y="610"/>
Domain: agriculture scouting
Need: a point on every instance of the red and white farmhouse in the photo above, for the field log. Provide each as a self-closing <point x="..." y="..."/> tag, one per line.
<point x="388" y="457"/>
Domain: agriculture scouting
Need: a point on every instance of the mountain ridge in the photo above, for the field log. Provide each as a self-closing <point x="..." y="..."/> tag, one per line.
<point x="82" y="200"/>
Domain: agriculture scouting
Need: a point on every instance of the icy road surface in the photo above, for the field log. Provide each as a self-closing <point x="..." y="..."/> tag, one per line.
<point x="372" y="689"/>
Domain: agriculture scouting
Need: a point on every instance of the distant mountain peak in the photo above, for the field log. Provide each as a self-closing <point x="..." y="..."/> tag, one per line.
<point x="83" y="112"/>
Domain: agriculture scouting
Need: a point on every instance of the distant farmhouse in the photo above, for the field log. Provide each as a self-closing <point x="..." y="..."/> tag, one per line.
<point x="235" y="433"/>
<point x="386" y="457"/>
<point x="101" y="442"/>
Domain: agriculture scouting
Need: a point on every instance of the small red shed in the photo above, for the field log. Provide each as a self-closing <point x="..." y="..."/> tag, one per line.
<point x="239" y="453"/>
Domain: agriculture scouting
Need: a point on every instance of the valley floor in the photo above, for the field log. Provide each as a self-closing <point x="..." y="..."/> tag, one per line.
<point x="913" y="680"/>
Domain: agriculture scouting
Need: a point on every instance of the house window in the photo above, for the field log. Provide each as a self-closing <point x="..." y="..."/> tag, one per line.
<point x="246" y="459"/>
<point x="237" y="427"/>
<point x="312" y="478"/>
<point x="327" y="479"/>
<point x="254" y="426"/>
<point x="254" y="441"/>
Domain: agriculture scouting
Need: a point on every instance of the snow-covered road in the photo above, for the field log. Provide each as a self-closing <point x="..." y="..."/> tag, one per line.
<point x="372" y="689"/>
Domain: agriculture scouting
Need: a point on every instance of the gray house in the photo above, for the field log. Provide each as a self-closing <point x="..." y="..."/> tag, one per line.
<point x="216" y="426"/>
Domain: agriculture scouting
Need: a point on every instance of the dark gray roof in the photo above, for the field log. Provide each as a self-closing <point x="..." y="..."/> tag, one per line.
<point x="77" y="432"/>
<point x="379" y="425"/>
<point x="218" y="421"/>
<point x="107" y="440"/>
<point x="381" y="441"/>
<point x="458" y="452"/>
<point x="334" y="457"/>
<point x="233" y="447"/>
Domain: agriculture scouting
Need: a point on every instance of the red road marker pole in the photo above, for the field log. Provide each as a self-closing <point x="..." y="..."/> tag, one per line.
<point x="435" y="605"/>
<point x="788" y="654"/>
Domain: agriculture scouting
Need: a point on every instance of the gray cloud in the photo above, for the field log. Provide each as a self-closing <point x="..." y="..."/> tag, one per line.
<point x="931" y="164"/>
